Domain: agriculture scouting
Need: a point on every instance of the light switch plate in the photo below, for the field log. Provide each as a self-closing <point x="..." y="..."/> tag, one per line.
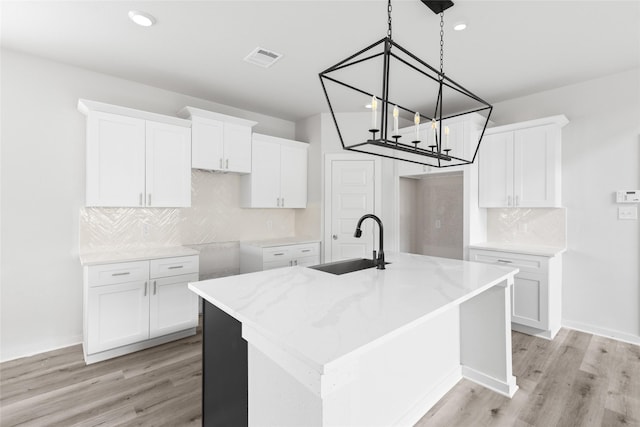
<point x="627" y="212"/>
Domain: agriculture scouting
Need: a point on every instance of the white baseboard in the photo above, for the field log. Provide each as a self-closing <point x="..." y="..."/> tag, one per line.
<point x="540" y="333"/>
<point x="507" y="388"/>
<point x="602" y="332"/>
<point x="24" y="352"/>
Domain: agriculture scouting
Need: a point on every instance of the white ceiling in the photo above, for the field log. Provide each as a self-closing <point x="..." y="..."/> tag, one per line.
<point x="510" y="48"/>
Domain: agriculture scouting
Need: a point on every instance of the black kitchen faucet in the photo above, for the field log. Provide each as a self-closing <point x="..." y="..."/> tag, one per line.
<point x="380" y="259"/>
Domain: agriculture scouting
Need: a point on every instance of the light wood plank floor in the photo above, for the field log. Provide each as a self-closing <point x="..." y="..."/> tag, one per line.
<point x="576" y="380"/>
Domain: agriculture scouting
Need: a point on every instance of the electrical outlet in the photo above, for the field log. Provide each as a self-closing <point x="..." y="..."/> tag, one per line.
<point x="627" y="212"/>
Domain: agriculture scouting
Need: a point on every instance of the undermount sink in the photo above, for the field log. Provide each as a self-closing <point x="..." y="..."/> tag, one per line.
<point x="346" y="266"/>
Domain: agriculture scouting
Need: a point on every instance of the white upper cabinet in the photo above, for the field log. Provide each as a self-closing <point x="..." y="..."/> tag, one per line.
<point x="115" y="160"/>
<point x="293" y="175"/>
<point x="219" y="142"/>
<point x="168" y="166"/>
<point x="520" y="165"/>
<point x="136" y="158"/>
<point x="279" y="174"/>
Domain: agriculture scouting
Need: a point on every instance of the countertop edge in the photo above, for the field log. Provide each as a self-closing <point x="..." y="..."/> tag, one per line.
<point x="268" y="243"/>
<point x="540" y="250"/>
<point x="99" y="258"/>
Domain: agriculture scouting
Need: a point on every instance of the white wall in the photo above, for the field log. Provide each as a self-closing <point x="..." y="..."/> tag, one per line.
<point x="600" y="154"/>
<point x="42" y="177"/>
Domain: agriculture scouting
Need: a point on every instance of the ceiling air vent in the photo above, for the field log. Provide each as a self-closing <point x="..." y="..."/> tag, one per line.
<point x="262" y="57"/>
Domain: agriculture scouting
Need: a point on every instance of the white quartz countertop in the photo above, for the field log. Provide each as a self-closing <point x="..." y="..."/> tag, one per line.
<point x="323" y="319"/>
<point x="280" y="241"/>
<point x="549" y="251"/>
<point x="135" y="255"/>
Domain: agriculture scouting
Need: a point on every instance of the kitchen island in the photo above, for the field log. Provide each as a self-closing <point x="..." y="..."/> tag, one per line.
<point x="297" y="346"/>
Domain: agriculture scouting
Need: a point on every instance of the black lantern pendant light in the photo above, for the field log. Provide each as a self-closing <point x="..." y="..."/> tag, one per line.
<point x="399" y="87"/>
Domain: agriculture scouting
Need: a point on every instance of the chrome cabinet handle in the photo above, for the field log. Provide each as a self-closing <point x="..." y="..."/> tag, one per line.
<point x="335" y="237"/>
<point x="517" y="201"/>
<point x="140" y="200"/>
<point x="295" y="262"/>
<point x="508" y="200"/>
<point x="220" y="162"/>
<point x="504" y="261"/>
<point x="306" y="250"/>
<point x="145" y="289"/>
<point x="279" y="254"/>
<point x="173" y="267"/>
<point x="149" y="200"/>
<point x="278" y="202"/>
<point x="282" y="202"/>
<point x="226" y="165"/>
<point x="121" y="274"/>
<point x="155" y="287"/>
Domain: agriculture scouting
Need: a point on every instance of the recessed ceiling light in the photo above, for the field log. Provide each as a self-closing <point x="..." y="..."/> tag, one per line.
<point x="141" y="18"/>
<point x="460" y="26"/>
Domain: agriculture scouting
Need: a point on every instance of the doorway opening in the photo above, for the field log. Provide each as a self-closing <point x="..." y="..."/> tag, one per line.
<point x="431" y="215"/>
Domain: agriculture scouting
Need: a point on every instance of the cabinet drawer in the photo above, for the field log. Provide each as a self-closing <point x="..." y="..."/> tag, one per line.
<point x="531" y="263"/>
<point x="166" y="267"/>
<point x="276" y="254"/>
<point x="122" y="272"/>
<point x="299" y="251"/>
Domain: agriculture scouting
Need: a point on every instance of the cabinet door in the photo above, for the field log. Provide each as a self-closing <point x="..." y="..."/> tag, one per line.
<point x="529" y="300"/>
<point x="117" y="315"/>
<point x="173" y="307"/>
<point x="293" y="178"/>
<point x="207" y="144"/>
<point x="536" y="167"/>
<point x="265" y="174"/>
<point x="115" y="160"/>
<point x="168" y="171"/>
<point x="496" y="171"/>
<point x="237" y="148"/>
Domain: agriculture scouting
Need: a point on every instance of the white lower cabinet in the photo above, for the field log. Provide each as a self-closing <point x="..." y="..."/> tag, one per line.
<point x="172" y="305"/>
<point x="258" y="257"/>
<point x="117" y="315"/>
<point x="536" y="300"/>
<point x="130" y="306"/>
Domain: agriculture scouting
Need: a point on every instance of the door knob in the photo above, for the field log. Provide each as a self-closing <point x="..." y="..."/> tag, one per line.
<point x="335" y="237"/>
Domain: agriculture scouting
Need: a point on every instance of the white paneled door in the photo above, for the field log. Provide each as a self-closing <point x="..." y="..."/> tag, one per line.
<point x="352" y="195"/>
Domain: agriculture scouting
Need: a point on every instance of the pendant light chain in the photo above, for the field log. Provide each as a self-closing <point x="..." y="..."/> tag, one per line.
<point x="389" y="18"/>
<point x="441" y="45"/>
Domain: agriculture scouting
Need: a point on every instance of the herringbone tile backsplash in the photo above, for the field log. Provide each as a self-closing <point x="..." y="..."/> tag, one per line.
<point x="537" y="226"/>
<point x="214" y="216"/>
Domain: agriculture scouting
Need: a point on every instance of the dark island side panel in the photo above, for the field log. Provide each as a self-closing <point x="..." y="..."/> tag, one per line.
<point x="224" y="370"/>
